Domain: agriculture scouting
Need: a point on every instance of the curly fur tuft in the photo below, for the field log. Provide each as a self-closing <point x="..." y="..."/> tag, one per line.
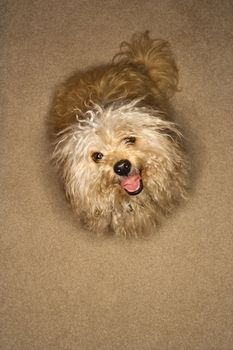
<point x="155" y="58"/>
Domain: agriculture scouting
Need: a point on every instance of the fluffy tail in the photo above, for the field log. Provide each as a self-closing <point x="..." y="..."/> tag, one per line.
<point x="156" y="59"/>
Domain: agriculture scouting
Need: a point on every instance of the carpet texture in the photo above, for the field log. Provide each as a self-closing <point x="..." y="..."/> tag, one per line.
<point x="62" y="288"/>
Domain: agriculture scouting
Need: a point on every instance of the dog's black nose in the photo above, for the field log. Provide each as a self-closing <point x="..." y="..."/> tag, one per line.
<point x="122" y="167"/>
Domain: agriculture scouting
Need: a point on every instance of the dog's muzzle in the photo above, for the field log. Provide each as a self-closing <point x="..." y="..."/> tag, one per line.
<point x="131" y="181"/>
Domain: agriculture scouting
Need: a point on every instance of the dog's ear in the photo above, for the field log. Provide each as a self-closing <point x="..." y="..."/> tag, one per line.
<point x="155" y="58"/>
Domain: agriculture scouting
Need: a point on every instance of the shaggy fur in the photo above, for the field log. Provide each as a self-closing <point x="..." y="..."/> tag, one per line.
<point x="120" y="159"/>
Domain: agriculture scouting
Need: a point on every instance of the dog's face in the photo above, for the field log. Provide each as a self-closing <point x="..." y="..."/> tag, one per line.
<point x="118" y="155"/>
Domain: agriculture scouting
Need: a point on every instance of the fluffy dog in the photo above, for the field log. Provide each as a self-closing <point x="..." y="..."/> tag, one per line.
<point x="120" y="158"/>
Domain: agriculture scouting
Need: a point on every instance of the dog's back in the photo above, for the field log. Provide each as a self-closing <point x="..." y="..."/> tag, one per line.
<point x="144" y="68"/>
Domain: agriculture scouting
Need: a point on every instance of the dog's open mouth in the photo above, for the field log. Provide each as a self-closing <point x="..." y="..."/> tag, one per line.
<point x="132" y="184"/>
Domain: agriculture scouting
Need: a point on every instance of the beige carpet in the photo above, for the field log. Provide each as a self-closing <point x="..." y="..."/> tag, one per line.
<point x="63" y="289"/>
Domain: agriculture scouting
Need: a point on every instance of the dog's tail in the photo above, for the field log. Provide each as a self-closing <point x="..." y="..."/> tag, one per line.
<point x="155" y="58"/>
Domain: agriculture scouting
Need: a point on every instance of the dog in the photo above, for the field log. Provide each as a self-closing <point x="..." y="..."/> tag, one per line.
<point x="119" y="155"/>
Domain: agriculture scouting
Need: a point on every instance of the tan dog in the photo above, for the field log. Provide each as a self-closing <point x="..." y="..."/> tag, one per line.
<point x="119" y="157"/>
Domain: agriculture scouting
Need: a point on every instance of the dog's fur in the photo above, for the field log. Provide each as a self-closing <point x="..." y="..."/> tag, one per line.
<point x="121" y="111"/>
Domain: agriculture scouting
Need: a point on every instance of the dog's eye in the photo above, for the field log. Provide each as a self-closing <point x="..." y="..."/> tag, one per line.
<point x="97" y="156"/>
<point x="130" y="140"/>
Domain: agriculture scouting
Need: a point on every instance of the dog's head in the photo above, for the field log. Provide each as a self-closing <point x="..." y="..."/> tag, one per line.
<point x="119" y="154"/>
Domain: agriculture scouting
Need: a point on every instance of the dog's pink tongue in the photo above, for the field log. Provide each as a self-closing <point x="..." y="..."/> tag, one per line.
<point x="131" y="183"/>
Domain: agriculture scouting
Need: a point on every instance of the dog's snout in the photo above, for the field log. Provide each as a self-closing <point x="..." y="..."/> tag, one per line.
<point x="122" y="167"/>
